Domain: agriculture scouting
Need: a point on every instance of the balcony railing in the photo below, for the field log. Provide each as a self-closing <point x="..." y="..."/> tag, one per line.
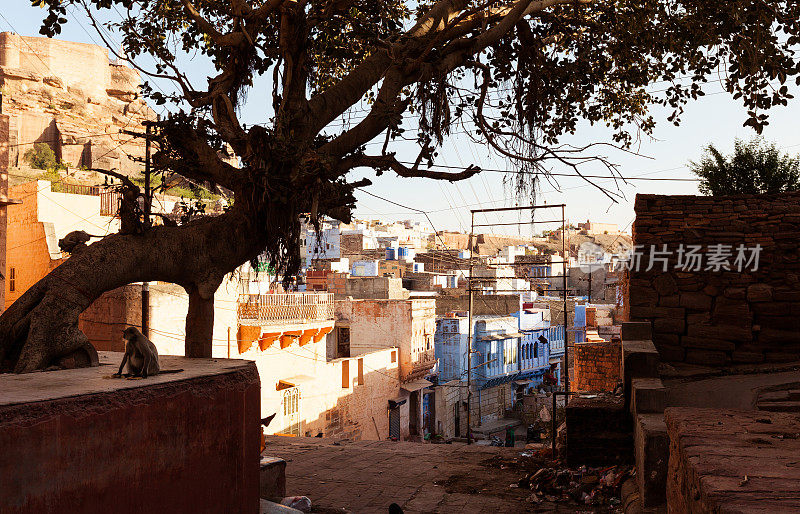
<point x="109" y="203"/>
<point x="284" y="308"/>
<point x="77" y="189"/>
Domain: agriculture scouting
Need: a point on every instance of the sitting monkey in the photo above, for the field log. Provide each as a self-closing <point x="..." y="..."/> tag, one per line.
<point x="140" y="354"/>
<point x="75" y="240"/>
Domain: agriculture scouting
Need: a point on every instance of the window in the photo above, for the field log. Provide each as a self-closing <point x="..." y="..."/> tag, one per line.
<point x="345" y="374"/>
<point x="394" y="356"/>
<point x="360" y="371"/>
<point x="291" y="412"/>
<point x="12" y="279"/>
<point x="343" y="341"/>
<point x="291" y="401"/>
<point x="535" y="350"/>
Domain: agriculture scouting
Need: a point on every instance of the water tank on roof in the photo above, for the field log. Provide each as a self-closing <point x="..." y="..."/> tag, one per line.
<point x="390" y="254"/>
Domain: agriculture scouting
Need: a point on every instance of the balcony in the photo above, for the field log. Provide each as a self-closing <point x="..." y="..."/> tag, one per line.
<point x="284" y="308"/>
<point x="556" y="339"/>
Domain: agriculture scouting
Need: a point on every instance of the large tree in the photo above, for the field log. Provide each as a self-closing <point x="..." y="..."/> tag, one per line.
<point x="755" y="167"/>
<point x="522" y="74"/>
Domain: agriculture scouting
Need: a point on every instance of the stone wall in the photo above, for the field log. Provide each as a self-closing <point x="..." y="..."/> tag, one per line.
<point x="484" y="304"/>
<point x="73" y="441"/>
<point x="28" y="254"/>
<point x="720" y="317"/>
<point x="494" y="402"/>
<point x="377" y="288"/>
<point x="597" y="366"/>
<point x="408" y="325"/>
<point x="451" y="397"/>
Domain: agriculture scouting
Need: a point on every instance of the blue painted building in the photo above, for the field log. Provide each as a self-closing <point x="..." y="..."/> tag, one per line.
<point x="580" y="323"/>
<point x="501" y="352"/>
<point x="536" y="321"/>
<point x="450" y="347"/>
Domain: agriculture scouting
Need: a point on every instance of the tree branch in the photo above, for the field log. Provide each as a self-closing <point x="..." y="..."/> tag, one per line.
<point x="381" y="163"/>
<point x="230" y="39"/>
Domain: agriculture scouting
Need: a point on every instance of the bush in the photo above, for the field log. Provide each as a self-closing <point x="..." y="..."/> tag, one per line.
<point x="41" y="156"/>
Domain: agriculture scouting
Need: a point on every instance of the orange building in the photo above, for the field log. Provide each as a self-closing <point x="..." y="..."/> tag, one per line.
<point x="28" y="256"/>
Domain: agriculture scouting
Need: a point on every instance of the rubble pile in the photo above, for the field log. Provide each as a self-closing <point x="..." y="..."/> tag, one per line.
<point x="550" y="481"/>
<point x="584" y="485"/>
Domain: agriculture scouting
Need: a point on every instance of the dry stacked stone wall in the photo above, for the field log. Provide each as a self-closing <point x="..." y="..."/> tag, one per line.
<point x="720" y="317"/>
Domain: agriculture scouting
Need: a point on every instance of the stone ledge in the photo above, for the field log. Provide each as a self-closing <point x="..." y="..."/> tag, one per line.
<point x="651" y="449"/>
<point x="636" y="331"/>
<point x="713" y="450"/>
<point x="54" y="385"/>
<point x="648" y="395"/>
<point x="640" y="359"/>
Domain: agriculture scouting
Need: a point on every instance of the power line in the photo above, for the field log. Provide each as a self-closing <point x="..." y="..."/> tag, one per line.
<point x="617" y="177"/>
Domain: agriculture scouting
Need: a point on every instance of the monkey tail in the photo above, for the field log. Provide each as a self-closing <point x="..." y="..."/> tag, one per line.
<point x="162" y="371"/>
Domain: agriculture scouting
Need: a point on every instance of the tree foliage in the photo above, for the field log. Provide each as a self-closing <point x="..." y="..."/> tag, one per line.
<point x="518" y="75"/>
<point x="351" y="80"/>
<point x="755" y="167"/>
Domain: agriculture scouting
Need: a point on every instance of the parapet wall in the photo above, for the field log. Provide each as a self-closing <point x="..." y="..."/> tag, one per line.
<point x="78" y="441"/>
<point x="716" y="316"/>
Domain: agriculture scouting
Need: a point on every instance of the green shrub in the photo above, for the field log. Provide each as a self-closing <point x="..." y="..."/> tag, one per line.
<point x="42" y="157"/>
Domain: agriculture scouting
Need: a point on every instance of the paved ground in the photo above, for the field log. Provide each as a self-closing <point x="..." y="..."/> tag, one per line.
<point x="367" y="476"/>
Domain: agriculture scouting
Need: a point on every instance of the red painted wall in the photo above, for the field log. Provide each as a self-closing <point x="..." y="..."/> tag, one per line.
<point x="186" y="446"/>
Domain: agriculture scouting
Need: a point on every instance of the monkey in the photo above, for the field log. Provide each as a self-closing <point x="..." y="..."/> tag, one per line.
<point x="140" y="355"/>
<point x="130" y="211"/>
<point x="75" y="240"/>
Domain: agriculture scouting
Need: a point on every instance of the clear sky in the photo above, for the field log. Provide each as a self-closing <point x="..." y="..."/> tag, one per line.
<point x="715" y="118"/>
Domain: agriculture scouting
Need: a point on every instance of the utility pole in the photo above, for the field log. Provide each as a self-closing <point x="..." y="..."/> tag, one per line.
<point x="148" y="137"/>
<point x="564" y="263"/>
<point x="145" y="284"/>
<point x="469" y="336"/>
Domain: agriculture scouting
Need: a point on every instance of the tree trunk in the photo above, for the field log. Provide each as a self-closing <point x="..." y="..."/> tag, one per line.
<point x="42" y="325"/>
<point x="199" y="324"/>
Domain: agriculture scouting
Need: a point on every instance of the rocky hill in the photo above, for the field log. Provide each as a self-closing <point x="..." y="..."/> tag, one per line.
<point x="72" y="97"/>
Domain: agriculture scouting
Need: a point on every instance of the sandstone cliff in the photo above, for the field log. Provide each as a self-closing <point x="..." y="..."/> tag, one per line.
<point x="72" y="97"/>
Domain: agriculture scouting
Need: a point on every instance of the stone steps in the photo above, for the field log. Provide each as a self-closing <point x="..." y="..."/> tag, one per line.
<point x="781" y="400"/>
<point x="778" y="406"/>
<point x="646" y="397"/>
